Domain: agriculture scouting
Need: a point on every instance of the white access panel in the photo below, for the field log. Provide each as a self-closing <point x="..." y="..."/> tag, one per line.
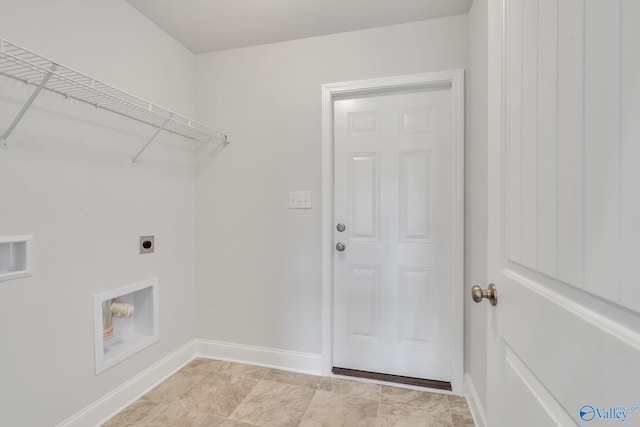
<point x="130" y="335"/>
<point x="15" y="257"/>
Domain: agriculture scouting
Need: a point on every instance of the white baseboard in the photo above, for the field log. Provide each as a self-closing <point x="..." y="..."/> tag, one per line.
<point x="478" y="411"/>
<point x="308" y="363"/>
<point x="100" y="411"/>
<point x="106" y="407"/>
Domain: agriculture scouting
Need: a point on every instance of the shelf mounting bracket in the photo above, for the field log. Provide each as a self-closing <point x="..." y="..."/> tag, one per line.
<point x="160" y="129"/>
<point x="5" y="136"/>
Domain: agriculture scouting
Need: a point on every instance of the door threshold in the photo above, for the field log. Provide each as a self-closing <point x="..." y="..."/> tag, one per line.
<point x="398" y="379"/>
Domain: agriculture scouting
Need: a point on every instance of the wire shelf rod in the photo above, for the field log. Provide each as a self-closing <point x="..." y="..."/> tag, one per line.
<point x="23" y="65"/>
<point x="34" y="95"/>
<point x="139" y="153"/>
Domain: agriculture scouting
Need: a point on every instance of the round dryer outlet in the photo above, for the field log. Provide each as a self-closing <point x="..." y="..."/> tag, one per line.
<point x="146" y="244"/>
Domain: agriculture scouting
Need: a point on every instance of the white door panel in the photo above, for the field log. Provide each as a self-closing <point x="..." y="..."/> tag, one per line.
<point x="393" y="191"/>
<point x="564" y="339"/>
<point x="364" y="186"/>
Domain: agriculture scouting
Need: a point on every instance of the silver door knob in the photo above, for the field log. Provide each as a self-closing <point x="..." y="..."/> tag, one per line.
<point x="340" y="246"/>
<point x="491" y="294"/>
<point x="341" y="227"/>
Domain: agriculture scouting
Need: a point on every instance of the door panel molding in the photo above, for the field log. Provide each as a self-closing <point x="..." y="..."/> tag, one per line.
<point x="413" y="227"/>
<point x="534" y="397"/>
<point x="454" y="81"/>
<point x="364" y="170"/>
<point x="626" y="335"/>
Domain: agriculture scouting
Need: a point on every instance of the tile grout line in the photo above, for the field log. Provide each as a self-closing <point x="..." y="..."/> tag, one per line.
<point x="449" y="409"/>
<point x="228" y="418"/>
<point x="306" y="411"/>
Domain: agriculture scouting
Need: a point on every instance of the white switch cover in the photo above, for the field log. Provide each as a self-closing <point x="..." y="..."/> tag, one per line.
<point x="299" y="199"/>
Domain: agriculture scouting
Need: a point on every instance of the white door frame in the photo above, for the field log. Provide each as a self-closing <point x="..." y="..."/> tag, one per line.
<point x="495" y="104"/>
<point x="454" y="80"/>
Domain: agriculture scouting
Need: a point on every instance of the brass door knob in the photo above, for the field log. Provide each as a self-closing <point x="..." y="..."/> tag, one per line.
<point x="491" y="294"/>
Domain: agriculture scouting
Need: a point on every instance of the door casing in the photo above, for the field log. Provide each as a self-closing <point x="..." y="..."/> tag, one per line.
<point x="454" y="80"/>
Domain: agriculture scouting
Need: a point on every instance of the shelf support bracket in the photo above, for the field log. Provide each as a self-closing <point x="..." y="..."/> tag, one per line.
<point x="34" y="95"/>
<point x="160" y="129"/>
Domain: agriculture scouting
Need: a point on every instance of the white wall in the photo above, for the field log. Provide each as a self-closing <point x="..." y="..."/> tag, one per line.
<point x="67" y="181"/>
<point x="71" y="187"/>
<point x="259" y="262"/>
<point x="476" y="197"/>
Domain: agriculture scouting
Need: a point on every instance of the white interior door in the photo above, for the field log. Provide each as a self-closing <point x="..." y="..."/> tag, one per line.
<point x="564" y="213"/>
<point x="395" y="191"/>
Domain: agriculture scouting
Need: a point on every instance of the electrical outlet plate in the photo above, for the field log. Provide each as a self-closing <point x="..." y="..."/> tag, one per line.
<point x="299" y="199"/>
<point x="147" y="244"/>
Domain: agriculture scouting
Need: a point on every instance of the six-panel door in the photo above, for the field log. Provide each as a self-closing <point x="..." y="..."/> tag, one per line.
<point x="393" y="192"/>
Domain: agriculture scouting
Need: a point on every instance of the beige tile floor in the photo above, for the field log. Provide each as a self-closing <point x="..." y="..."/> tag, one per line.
<point x="211" y="393"/>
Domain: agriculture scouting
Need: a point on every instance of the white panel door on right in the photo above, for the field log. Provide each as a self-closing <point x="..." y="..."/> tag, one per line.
<point x="564" y="209"/>
<point x="393" y="193"/>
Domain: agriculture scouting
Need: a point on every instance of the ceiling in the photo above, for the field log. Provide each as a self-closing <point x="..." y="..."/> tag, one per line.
<point x="211" y="25"/>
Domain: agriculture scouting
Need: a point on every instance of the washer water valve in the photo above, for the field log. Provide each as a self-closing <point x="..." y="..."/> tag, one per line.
<point x="113" y="308"/>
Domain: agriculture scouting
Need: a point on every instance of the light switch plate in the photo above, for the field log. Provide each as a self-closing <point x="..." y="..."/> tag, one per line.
<point x="299" y="199"/>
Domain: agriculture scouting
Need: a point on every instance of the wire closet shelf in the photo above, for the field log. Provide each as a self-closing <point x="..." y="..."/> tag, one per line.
<point x="21" y="64"/>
